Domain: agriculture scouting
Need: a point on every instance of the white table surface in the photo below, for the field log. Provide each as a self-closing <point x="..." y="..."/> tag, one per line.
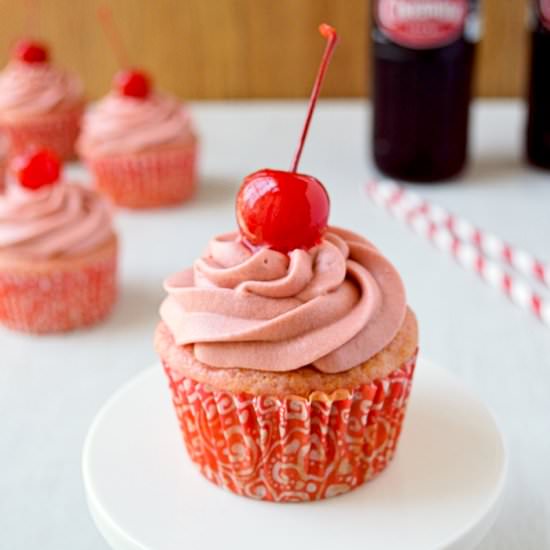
<point x="51" y="387"/>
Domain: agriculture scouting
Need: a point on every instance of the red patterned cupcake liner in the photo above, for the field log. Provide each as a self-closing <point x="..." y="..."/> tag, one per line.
<point x="292" y="449"/>
<point x="57" y="131"/>
<point x="148" y="179"/>
<point x="59" y="300"/>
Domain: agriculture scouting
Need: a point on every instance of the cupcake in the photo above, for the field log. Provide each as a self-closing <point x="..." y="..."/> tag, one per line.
<point x="290" y="373"/>
<point x="40" y="104"/>
<point x="140" y="145"/>
<point x="288" y="346"/>
<point x="58" y="250"/>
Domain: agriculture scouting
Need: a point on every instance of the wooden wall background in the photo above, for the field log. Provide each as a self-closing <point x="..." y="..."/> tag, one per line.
<point x="210" y="49"/>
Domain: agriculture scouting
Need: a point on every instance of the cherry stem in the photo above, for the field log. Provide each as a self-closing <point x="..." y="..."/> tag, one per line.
<point x="31" y="17"/>
<point x="330" y="34"/>
<point x="112" y="33"/>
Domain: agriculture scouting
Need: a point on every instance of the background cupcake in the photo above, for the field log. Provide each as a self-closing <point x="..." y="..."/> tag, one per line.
<point x="58" y="251"/>
<point x="40" y="104"/>
<point x="140" y="145"/>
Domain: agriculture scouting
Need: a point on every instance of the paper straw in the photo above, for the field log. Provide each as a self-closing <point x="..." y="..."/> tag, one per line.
<point x="491" y="245"/>
<point x="472" y="248"/>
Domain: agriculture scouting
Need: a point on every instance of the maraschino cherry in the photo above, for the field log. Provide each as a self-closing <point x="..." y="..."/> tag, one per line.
<point x="30" y="51"/>
<point x="37" y="168"/>
<point x="287" y="210"/>
<point x="127" y="82"/>
<point x="132" y="83"/>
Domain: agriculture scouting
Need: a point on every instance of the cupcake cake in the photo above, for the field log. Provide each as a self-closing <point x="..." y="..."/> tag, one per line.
<point x="58" y="250"/>
<point x="140" y="145"/>
<point x="40" y="104"/>
<point x="288" y="346"/>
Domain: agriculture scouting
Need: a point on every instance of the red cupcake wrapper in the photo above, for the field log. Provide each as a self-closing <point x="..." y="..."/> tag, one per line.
<point x="58" y="300"/>
<point x="57" y="131"/>
<point x="292" y="448"/>
<point x="148" y="179"/>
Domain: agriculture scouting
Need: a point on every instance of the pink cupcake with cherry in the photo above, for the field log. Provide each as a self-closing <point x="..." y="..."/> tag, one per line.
<point x="139" y="143"/>
<point x="288" y="345"/>
<point x="41" y="105"/>
<point x="58" y="250"/>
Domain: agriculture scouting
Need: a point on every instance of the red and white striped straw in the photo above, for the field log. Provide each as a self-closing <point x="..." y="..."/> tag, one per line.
<point x="474" y="249"/>
<point x="491" y="245"/>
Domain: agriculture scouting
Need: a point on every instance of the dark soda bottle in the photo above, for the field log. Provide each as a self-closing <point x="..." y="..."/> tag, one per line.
<point x="538" y="119"/>
<point x="423" y="59"/>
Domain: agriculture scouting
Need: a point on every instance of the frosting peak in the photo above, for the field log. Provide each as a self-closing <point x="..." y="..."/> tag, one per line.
<point x="333" y="306"/>
<point x="30" y="89"/>
<point x="120" y="124"/>
<point x="54" y="221"/>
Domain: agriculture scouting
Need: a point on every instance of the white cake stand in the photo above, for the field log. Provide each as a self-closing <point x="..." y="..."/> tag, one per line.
<point x="442" y="490"/>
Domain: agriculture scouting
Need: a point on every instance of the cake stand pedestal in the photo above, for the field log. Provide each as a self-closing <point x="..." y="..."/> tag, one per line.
<point x="441" y="491"/>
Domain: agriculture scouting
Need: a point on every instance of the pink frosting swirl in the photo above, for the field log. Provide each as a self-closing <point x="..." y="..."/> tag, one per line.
<point x="333" y="307"/>
<point x="31" y="89"/>
<point x="119" y="124"/>
<point x="55" y="221"/>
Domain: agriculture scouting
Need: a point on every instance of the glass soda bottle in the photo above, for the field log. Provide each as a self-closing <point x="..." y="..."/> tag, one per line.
<point x="423" y="54"/>
<point x="538" y="118"/>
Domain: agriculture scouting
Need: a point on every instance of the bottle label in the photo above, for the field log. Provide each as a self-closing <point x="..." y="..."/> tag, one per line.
<point x="544" y="8"/>
<point x="422" y="24"/>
